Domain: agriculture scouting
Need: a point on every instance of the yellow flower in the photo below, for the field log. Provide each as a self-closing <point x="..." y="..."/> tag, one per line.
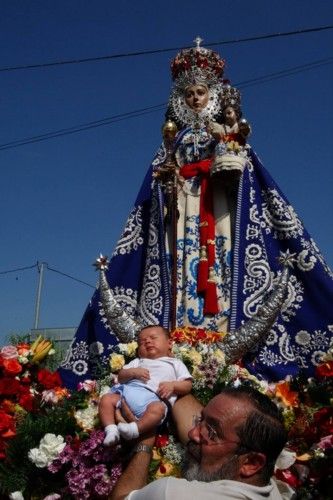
<point x="165" y="469"/>
<point x="156" y="454"/>
<point x="194" y="356"/>
<point x="219" y="356"/>
<point x="233" y="146"/>
<point x="131" y="348"/>
<point x="116" y="361"/>
<point x="197" y="374"/>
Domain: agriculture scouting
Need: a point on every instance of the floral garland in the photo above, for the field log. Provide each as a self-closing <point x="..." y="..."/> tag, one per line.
<point x="51" y="443"/>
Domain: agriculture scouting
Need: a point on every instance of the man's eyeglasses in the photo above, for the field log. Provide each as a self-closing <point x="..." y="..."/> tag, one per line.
<point x="211" y="434"/>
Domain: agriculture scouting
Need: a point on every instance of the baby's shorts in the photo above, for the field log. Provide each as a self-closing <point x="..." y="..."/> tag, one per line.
<point x="137" y="397"/>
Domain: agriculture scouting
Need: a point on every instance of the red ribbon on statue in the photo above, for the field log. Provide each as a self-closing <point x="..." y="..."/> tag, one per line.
<point x="206" y="281"/>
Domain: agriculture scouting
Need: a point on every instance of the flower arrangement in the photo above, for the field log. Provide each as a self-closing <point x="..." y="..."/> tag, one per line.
<point x="51" y="443"/>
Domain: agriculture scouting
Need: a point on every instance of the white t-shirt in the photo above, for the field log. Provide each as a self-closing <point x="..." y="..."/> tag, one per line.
<point x="164" y="369"/>
<point x="171" y="488"/>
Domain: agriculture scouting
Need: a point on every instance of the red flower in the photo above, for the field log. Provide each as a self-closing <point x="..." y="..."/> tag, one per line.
<point x="7" y="406"/>
<point x="325" y="369"/>
<point x="288" y="477"/>
<point x="48" y="379"/>
<point x="26" y="379"/>
<point x="323" y="420"/>
<point x="162" y="468"/>
<point x="283" y="392"/>
<point x="11" y="367"/>
<point x="2" y="450"/>
<point x="23" y="348"/>
<point x="161" y="440"/>
<point x="6" y="422"/>
<point x="9" y="386"/>
<point x="26" y="401"/>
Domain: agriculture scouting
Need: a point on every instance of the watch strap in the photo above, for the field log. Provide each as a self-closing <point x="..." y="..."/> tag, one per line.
<point x="142" y="447"/>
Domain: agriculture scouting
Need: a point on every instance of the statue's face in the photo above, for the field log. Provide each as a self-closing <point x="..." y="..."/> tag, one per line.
<point x="230" y="116"/>
<point x="196" y="97"/>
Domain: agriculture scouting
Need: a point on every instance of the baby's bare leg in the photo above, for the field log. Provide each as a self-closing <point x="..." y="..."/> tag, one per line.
<point x="107" y="408"/>
<point x="151" y="418"/>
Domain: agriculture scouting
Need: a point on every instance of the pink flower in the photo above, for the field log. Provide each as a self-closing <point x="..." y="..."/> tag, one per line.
<point x="50" y="396"/>
<point x="9" y="352"/>
<point x="87" y="385"/>
<point x="326" y="442"/>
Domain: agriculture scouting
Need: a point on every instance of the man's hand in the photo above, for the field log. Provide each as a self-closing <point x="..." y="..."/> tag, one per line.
<point x="124" y="413"/>
<point x="166" y="389"/>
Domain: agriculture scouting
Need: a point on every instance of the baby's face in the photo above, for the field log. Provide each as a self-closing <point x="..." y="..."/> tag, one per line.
<point x="153" y="343"/>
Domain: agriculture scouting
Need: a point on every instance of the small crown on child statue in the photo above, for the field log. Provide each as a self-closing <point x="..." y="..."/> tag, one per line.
<point x="230" y="96"/>
<point x="197" y="65"/>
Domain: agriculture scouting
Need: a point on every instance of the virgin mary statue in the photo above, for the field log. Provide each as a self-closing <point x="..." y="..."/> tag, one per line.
<point x="200" y="246"/>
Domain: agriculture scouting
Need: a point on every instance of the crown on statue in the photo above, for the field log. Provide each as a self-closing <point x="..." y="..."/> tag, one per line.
<point x="230" y="96"/>
<point x="197" y="65"/>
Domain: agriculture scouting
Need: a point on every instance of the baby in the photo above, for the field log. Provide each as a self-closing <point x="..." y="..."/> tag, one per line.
<point x="147" y="384"/>
<point x="231" y="135"/>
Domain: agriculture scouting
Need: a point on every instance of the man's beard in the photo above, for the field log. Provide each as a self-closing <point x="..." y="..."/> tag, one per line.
<point x="191" y="468"/>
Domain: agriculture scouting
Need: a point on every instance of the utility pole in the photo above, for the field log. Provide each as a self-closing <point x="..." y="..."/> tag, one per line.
<point x="40" y="266"/>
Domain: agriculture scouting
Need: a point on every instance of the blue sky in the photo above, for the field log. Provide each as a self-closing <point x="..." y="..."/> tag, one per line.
<point x="66" y="199"/>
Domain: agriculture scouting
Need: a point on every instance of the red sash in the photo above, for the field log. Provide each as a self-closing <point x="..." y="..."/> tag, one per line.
<point x="206" y="284"/>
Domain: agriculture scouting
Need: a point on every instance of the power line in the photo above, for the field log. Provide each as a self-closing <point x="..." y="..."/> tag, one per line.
<point x="69" y="276"/>
<point x="169" y="49"/>
<point x="79" y="128"/>
<point x="50" y="269"/>
<point x="288" y="72"/>
<point x="19" y="269"/>
<point x="139" y="112"/>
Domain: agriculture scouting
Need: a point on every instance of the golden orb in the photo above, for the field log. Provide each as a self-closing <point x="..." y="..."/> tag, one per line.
<point x="169" y="130"/>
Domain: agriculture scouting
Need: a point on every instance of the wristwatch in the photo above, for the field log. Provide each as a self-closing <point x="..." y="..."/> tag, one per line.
<point x="142" y="447"/>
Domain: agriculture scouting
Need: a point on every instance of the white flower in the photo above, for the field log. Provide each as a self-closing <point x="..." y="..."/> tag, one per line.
<point x="49" y="448"/>
<point x="128" y="349"/>
<point x="285" y="459"/>
<point x="38" y="458"/>
<point x="86" y="418"/>
<point x="52" y="445"/>
<point x="96" y="348"/>
<point x="105" y="389"/>
<point x="16" y="495"/>
<point x="23" y="359"/>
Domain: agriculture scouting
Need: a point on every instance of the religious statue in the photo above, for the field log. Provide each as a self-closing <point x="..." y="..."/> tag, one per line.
<point x="200" y="246"/>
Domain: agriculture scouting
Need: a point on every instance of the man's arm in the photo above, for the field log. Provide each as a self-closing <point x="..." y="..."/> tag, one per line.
<point x="135" y="475"/>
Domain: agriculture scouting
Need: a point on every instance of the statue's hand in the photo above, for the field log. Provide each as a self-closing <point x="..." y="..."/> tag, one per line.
<point x="216" y="130"/>
<point x="244" y="127"/>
